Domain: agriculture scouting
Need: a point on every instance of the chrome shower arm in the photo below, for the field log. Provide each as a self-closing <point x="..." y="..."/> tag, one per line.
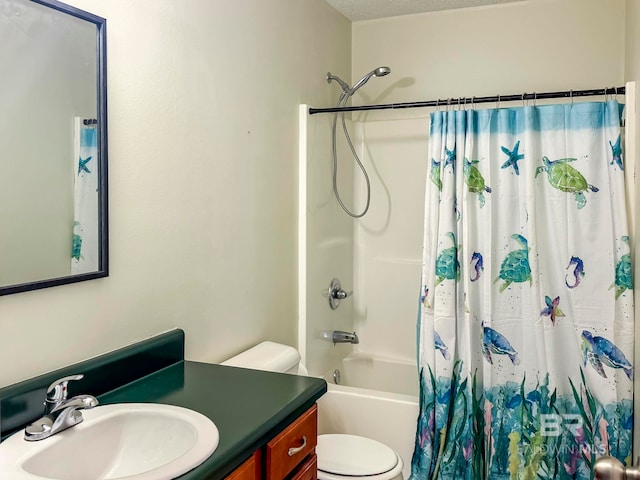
<point x="342" y="83"/>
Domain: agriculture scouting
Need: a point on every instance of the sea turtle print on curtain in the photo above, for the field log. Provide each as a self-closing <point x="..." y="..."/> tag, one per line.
<point x="526" y="320"/>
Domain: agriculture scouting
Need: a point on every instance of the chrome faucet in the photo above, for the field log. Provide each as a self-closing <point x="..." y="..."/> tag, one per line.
<point x="335" y="293"/>
<point x="60" y="412"/>
<point x="344" y="337"/>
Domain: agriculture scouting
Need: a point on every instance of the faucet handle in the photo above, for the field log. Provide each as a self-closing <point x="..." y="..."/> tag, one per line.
<point x="335" y="293"/>
<point x="57" y="391"/>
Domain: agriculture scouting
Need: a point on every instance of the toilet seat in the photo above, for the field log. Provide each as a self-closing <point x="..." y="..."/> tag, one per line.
<point x="342" y="455"/>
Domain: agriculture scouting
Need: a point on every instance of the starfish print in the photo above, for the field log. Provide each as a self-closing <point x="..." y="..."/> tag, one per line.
<point x="82" y="166"/>
<point x="514" y="156"/>
<point x="451" y="158"/>
<point x="552" y="309"/>
<point x="616" y="151"/>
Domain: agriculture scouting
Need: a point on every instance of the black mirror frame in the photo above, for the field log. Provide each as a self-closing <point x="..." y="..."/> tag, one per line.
<point x="103" y="205"/>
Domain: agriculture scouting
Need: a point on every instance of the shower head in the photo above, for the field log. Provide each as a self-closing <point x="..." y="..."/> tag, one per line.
<point x="378" y="72"/>
<point x="348" y="91"/>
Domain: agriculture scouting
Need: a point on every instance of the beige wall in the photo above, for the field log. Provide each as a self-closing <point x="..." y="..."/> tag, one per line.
<point x="536" y="45"/>
<point x="632" y="54"/>
<point x="203" y="119"/>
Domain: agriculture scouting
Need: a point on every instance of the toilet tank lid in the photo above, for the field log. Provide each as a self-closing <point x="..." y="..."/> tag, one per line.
<point x="270" y="356"/>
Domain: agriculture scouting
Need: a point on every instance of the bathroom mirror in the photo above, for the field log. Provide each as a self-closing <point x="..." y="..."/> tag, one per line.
<point x="53" y="145"/>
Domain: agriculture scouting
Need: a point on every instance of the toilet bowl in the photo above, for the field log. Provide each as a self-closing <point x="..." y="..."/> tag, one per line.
<point x="340" y="456"/>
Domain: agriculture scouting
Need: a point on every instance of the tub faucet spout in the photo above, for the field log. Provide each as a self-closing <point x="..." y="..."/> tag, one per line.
<point x="345" y="337"/>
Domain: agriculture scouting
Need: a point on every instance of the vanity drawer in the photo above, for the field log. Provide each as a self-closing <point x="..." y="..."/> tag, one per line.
<point x="291" y="447"/>
<point x="308" y="470"/>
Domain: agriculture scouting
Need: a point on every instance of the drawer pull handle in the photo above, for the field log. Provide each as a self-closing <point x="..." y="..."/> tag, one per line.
<point x="292" y="451"/>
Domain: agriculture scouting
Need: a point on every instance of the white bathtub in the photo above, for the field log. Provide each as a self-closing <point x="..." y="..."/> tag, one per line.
<point x="377" y="398"/>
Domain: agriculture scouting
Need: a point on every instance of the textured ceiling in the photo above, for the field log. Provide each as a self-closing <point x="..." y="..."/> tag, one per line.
<point x="357" y="10"/>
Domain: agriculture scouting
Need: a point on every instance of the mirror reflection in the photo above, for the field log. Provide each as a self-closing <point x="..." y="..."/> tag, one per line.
<point x="52" y="145"/>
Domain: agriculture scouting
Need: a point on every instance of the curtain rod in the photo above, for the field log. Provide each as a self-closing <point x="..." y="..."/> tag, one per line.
<point x="464" y="101"/>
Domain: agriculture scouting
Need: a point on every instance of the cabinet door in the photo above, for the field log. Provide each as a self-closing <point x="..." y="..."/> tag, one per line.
<point x="291" y="447"/>
<point x="249" y="470"/>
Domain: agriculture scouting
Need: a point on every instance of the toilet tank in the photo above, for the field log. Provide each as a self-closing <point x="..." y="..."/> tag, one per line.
<point x="270" y="356"/>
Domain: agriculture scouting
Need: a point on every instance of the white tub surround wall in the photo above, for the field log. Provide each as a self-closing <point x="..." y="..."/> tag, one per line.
<point x="377" y="256"/>
<point x="388" y="240"/>
<point x="325" y="241"/>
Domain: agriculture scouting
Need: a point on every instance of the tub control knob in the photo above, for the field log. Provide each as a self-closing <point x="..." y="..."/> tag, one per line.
<point x="335" y="293"/>
<point x="339" y="294"/>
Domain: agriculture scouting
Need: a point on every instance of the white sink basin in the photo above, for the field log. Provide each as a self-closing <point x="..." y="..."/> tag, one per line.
<point x="132" y="441"/>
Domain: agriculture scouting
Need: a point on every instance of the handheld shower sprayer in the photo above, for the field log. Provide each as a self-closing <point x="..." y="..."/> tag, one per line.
<point x="378" y="72"/>
<point x="342" y="101"/>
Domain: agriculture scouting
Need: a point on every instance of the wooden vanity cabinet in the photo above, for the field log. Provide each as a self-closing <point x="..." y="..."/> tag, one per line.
<point x="249" y="470"/>
<point x="290" y="455"/>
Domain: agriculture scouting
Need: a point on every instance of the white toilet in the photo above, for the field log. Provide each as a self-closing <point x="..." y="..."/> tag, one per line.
<point x="340" y="456"/>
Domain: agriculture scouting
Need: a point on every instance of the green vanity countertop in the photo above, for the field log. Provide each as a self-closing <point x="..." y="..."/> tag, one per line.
<point x="249" y="407"/>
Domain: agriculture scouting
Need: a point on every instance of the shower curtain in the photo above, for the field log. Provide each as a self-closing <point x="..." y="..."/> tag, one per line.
<point x="84" y="240"/>
<point x="525" y="324"/>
